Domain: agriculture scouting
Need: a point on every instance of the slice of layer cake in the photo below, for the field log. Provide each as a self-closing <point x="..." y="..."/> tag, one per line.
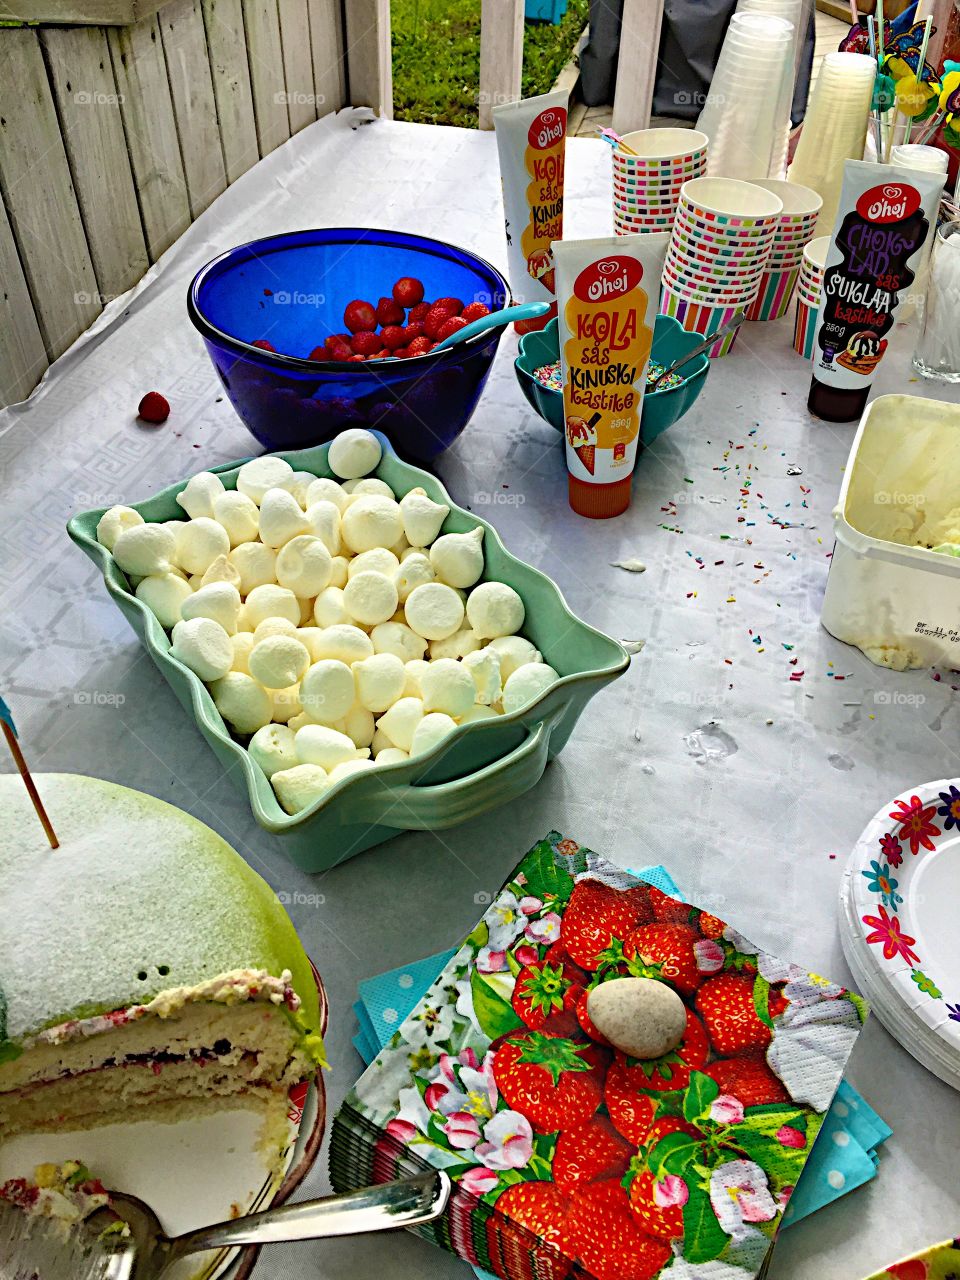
<point x="145" y="971"/>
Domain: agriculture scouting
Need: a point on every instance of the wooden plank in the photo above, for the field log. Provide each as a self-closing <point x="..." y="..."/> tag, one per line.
<point x="22" y="354"/>
<point x="81" y="74"/>
<point x="637" y="64"/>
<point x="148" y="121"/>
<point x="329" y="64"/>
<point x="265" y="54"/>
<point x="227" y="52"/>
<point x="101" y="13"/>
<point x="501" y="55"/>
<point x="194" y="106"/>
<point x="297" y="63"/>
<point x="369" y="70"/>
<point x="39" y="195"/>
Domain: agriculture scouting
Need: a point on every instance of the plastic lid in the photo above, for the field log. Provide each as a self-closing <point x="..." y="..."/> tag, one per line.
<point x="599" y="501"/>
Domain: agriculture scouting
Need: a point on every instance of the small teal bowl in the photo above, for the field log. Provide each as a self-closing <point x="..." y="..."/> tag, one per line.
<point x="661" y="409"/>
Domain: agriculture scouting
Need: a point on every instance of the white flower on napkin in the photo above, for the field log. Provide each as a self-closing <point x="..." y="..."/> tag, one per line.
<point x="740" y="1194"/>
<point x="505" y="921"/>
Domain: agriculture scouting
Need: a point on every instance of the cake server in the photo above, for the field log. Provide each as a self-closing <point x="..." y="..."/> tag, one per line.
<point x="40" y="1248"/>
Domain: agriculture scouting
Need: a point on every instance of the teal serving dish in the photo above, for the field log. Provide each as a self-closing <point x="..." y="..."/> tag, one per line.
<point x="478" y="767"/>
<point x="661" y="409"/>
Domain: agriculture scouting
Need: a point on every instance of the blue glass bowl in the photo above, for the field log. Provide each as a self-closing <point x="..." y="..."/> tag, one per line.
<point x="291" y="290"/>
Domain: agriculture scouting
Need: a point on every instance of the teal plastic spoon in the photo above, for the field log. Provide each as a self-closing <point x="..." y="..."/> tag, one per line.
<point x="495" y="320"/>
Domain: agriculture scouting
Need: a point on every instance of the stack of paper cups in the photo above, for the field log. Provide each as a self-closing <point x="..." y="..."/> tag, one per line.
<point x="835" y="128"/>
<point x="646" y="186"/>
<point x="792" y="11"/>
<point x="809" y="290"/>
<point x="795" y="226"/>
<point x="747" y="110"/>
<point x="914" y="155"/>
<point x="718" y="251"/>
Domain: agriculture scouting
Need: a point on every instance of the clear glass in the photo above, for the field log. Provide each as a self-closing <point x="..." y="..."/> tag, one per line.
<point x="937" y="354"/>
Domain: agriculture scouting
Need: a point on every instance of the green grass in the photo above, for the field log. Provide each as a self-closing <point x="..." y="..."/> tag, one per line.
<point x="436" y="57"/>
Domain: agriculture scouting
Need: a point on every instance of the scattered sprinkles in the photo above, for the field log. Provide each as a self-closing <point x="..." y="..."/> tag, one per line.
<point x="550" y="376"/>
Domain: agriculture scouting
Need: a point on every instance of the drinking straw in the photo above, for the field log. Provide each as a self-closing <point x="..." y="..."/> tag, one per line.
<point x="875" y="113"/>
<point x="921" y="62"/>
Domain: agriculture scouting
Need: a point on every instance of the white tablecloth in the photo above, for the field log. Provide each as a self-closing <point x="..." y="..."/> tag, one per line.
<point x="704" y="756"/>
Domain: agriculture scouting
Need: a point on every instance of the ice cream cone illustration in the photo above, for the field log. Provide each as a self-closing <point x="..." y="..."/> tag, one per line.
<point x="582" y="434"/>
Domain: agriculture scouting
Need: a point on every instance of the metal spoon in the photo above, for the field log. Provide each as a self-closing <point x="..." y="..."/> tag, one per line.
<point x="39" y="1249"/>
<point x="495" y="320"/>
<point x="699" y="349"/>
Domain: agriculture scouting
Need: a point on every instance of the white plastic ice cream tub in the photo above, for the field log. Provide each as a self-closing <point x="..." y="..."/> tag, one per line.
<point x="887" y="592"/>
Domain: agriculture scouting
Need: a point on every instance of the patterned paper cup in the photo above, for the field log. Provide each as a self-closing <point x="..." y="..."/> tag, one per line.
<point x="701" y="317"/>
<point x="686" y="241"/>
<point x="773" y="297"/>
<point x="664" y="146"/>
<point x="805" y="328"/>
<point x="815" y="254"/>
<point x="729" y="202"/>
<point x="641" y="222"/>
<point x="722" y="235"/>
<point x="645" y="208"/>
<point x="704" y="272"/>
<point x="703" y="290"/>
<point x="801" y="205"/>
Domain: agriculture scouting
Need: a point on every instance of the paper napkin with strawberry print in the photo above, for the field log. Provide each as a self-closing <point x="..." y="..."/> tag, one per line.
<point x="568" y="1156"/>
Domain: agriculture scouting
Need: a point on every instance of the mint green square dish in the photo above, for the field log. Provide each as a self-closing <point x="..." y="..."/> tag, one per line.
<point x="480" y="765"/>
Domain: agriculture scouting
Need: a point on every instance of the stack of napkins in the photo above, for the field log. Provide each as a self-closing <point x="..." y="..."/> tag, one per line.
<point x="563" y="1151"/>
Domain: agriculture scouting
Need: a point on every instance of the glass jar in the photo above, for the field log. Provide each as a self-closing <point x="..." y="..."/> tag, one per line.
<point x="937" y="354"/>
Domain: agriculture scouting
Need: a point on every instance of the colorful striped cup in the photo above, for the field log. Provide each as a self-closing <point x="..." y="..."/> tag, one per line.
<point x="698" y="317"/>
<point x="805" y="328"/>
<point x="773" y="297"/>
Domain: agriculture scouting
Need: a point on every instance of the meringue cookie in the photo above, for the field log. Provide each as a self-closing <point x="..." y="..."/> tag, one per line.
<point x="434" y="611"/>
<point x="479" y="712"/>
<point x="202" y="645"/>
<point x="358" y="725"/>
<point x="379" y="560"/>
<point x="414" y="571"/>
<point x="304" y="565"/>
<point x="221" y="570"/>
<point x="278" y="661"/>
<point x="392" y="755"/>
<point x="371" y="521"/>
<point x="399" y="639"/>
<point x="296" y="723"/>
<point x="325" y="490"/>
<point x="370" y="598"/>
<point x="456" y="646"/>
<point x="286" y="704"/>
<point x="353" y="453"/>
<point x="327" y="691"/>
<point x="239" y="516"/>
<point x="198" y="494"/>
<point x="484" y="668"/>
<point x="369" y="485"/>
<point x="309" y="637"/>
<point x="414" y="675"/>
<point x="513" y="652"/>
<point x="457" y="558"/>
<point x="431" y="731"/>
<point x="527" y="683"/>
<point x="242" y="642"/>
<point x="275" y="626"/>
<point x="494" y="610"/>
<point x="272" y="747"/>
<point x="380" y="681"/>
<point x="113" y="522"/>
<point x="269" y="601"/>
<point x="448" y="686"/>
<point x="256" y="565"/>
<point x="199" y="542"/>
<point x="339" y="571"/>
<point x="281" y="518"/>
<point x="244" y="704"/>
<point x="298" y="483"/>
<point x="260" y="474"/>
<point x="299" y="787"/>
<point x="219" y="601"/>
<point x="345" y="643"/>
<point x="318" y="744"/>
<point x="422" y="517"/>
<point x="329" y="608"/>
<point x="323" y="517"/>
<point x="164" y="595"/>
<point x="348" y="767"/>
<point x="380" y="742"/>
<point x="146" y="550"/>
<point x="398" y="724"/>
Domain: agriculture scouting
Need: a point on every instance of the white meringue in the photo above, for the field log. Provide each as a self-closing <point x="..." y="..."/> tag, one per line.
<point x="327" y="691"/>
<point x="422" y="517"/>
<point x="329" y="608"/>
<point x="221" y="570"/>
<point x="239" y="516"/>
<point x="275" y="626"/>
<point x="242" y="642"/>
<point x="380" y="681"/>
<point x="260" y="474"/>
<point x="380" y="742"/>
<point x="456" y="646"/>
<point x="431" y="731"/>
<point x="484" y="668"/>
<point x="494" y="609"/>
<point x="398" y="724"/>
<point x="113" y="522"/>
<point x="414" y="675"/>
<point x="145" y="550"/>
<point x="309" y="637"/>
<point x="164" y="595"/>
<point x="358" y="725"/>
<point x="434" y="611"/>
<point x="272" y="747"/>
<point x="304" y="565"/>
<point x="353" y="453"/>
<point x="513" y="652"/>
<point x="199" y="542"/>
<point x="370" y="598"/>
<point x="325" y="490"/>
<point x="345" y="643"/>
<point x="318" y="744"/>
<point x="296" y="722"/>
<point x="370" y="484"/>
<point x="392" y="755"/>
<point x="339" y="571"/>
<point x="299" y="787"/>
<point x="281" y="518"/>
<point x="278" y="661"/>
<point x="371" y="521"/>
<point x="457" y="558"/>
<point x="479" y="712"/>
<point x="270" y="601"/>
<point x="298" y="483"/>
<point x="323" y="518"/>
<point x="526" y="684"/>
<point x="256" y="565"/>
<point x="219" y="601"/>
<point x="198" y="494"/>
<point x="399" y="639"/>
<point x="414" y="571"/>
<point x="243" y="703"/>
<point x="448" y="686"/>
<point x="286" y="704"/>
<point x="379" y="560"/>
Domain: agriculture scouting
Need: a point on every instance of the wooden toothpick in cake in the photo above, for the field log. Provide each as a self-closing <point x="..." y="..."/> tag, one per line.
<point x="10" y="733"/>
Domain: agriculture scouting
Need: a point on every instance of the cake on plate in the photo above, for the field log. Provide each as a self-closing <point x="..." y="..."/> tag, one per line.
<point x="146" y="972"/>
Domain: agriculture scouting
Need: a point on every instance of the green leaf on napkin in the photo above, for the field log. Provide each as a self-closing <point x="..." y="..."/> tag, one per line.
<point x="703" y="1237"/>
<point x="701" y="1092"/>
<point x="761" y="1000"/>
<point x="494" y="1014"/>
<point x="544" y="878"/>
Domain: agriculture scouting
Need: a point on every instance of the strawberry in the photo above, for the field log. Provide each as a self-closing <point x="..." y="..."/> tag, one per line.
<point x="631" y="1112"/>
<point x="392" y="336"/>
<point x="411" y="331"/>
<point x="433" y="321"/>
<point x="359" y="315"/>
<point x="663" y="1221"/>
<point x="452" y="306"/>
<point x="319" y="353"/>
<point x="400" y="353"/>
<point x="669" y="910"/>
<point x="672" y="1071"/>
<point x="474" y="311"/>
<point x="545" y="997"/>
<point x="554" y="1082"/>
<point x="264" y="345"/>
<point x="607" y="1238"/>
<point x="408" y="291"/>
<point x="417" y="314"/>
<point x="725" y="1002"/>
<point x="365" y="343"/>
<point x="339" y="340"/>
<point x="710" y="926"/>
<point x="671" y="947"/>
<point x="542" y="1208"/>
<point x="389" y="312"/>
<point x="419" y="346"/>
<point x="155" y="408"/>
<point x="586" y="1022"/>
<point x="450" y="326"/>
<point x="356" y="358"/>
<point x="748" y="1078"/>
<point x="595" y="1151"/>
<point x="597" y="916"/>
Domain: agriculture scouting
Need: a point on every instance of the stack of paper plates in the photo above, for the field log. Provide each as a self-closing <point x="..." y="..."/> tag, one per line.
<point x="899" y="932"/>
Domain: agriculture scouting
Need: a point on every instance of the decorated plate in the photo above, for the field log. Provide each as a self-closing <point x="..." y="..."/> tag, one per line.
<point x="899" y="898"/>
<point x="941" y="1262"/>
<point x="193" y="1173"/>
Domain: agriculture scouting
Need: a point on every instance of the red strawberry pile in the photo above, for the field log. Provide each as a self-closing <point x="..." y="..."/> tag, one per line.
<point x="399" y="327"/>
